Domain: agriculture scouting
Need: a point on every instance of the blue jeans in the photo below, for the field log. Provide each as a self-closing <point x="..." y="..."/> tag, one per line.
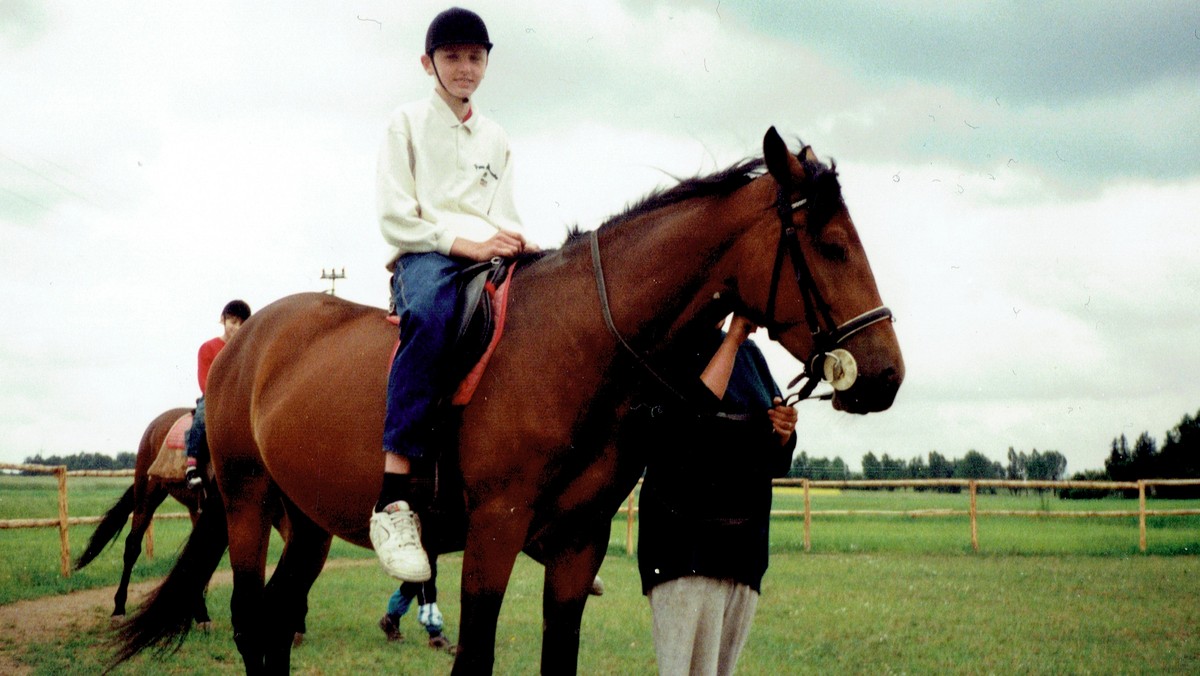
<point x="424" y="593"/>
<point x="196" y="440"/>
<point x="425" y="293"/>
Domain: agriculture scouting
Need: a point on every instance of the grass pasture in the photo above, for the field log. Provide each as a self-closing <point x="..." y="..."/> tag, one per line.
<point x="875" y="594"/>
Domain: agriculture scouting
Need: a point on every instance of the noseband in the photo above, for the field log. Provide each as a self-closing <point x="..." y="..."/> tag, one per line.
<point x="826" y="335"/>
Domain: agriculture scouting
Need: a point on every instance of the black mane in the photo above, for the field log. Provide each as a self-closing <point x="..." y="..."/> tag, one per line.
<point x="821" y="187"/>
<point x="717" y="184"/>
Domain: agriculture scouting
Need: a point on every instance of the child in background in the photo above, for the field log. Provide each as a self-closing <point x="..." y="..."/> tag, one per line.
<point x="232" y="315"/>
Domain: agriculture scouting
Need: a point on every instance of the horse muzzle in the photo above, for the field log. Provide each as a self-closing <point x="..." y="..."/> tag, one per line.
<point x="870" y="393"/>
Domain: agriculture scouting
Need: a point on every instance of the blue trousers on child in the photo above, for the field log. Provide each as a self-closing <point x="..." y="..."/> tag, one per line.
<point x="195" y="440"/>
<point x="428" y="613"/>
<point x="425" y="293"/>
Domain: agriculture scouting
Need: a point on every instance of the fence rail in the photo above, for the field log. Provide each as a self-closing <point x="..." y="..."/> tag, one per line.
<point x="972" y="511"/>
<point x="65" y="520"/>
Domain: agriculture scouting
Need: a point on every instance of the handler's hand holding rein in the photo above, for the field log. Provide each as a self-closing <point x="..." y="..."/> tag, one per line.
<point x="783" y="419"/>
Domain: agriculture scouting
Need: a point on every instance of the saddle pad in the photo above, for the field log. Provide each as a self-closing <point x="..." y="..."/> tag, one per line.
<point x="175" y="435"/>
<point x="171" y="461"/>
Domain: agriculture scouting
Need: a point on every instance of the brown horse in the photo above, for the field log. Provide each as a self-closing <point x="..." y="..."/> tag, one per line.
<point x="296" y="401"/>
<point x="141" y="500"/>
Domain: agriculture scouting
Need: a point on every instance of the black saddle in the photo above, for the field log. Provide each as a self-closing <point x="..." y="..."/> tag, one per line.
<point x="475" y="314"/>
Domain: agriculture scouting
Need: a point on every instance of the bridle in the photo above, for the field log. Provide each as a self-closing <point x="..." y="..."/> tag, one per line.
<point x="827" y="361"/>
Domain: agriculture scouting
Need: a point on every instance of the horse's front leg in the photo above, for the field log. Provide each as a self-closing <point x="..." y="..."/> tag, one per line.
<point x="569" y="578"/>
<point x="494" y="538"/>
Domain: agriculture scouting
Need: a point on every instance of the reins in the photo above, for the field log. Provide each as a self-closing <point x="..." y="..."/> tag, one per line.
<point x="606" y="312"/>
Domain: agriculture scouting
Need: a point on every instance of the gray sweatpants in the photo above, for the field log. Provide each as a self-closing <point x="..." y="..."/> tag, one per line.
<point x="700" y="625"/>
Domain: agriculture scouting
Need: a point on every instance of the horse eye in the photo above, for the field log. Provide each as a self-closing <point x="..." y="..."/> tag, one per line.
<point x="834" y="252"/>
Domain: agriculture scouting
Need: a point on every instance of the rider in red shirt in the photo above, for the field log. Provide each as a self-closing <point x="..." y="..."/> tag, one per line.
<point x="234" y="313"/>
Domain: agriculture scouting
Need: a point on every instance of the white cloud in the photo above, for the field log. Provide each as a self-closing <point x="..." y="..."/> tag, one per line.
<point x="1038" y="250"/>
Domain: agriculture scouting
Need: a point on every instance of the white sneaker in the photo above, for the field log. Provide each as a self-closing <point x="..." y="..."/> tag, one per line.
<point x="396" y="537"/>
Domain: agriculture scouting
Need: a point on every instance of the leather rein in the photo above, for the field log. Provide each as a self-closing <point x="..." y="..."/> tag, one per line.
<point x="816" y="311"/>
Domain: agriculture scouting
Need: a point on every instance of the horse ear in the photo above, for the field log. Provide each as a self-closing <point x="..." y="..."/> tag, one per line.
<point x="808" y="155"/>
<point x="779" y="159"/>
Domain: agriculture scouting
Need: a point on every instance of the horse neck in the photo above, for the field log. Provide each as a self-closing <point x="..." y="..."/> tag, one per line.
<point x="662" y="268"/>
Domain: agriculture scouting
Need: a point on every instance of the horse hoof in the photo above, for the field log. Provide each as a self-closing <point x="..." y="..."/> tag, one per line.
<point x="298" y="639"/>
<point x="440" y="643"/>
<point x="116" y="620"/>
<point x="204" y="626"/>
<point x="597" y="587"/>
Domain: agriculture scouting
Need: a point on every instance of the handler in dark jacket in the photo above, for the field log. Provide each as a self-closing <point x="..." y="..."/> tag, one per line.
<point x="705" y="505"/>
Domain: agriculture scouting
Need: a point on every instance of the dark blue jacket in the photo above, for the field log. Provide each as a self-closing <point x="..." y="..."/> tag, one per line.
<point x="706" y="500"/>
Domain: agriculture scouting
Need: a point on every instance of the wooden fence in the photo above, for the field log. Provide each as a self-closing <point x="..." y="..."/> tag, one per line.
<point x="972" y="486"/>
<point x="65" y="520"/>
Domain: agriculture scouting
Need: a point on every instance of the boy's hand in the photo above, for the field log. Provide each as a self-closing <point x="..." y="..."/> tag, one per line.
<point x="504" y="244"/>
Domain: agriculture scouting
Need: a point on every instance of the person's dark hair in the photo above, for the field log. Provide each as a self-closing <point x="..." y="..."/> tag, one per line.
<point x="236" y="308"/>
<point x="456" y="26"/>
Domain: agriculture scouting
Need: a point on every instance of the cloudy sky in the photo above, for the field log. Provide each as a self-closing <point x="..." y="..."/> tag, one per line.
<point x="1025" y="176"/>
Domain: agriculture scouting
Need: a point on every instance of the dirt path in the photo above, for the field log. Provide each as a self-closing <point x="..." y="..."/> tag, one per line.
<point x="45" y="619"/>
<point x="42" y="620"/>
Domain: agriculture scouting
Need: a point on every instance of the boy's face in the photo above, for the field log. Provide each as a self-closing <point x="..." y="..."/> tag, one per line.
<point x="460" y="68"/>
<point x="231" y="324"/>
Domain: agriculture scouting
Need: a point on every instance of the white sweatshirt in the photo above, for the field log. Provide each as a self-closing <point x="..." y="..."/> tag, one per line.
<point x="439" y="179"/>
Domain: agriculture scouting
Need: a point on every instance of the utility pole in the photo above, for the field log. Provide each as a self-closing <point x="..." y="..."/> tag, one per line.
<point x="333" y="275"/>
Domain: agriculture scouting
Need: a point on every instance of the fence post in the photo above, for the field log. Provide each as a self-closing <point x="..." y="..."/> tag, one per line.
<point x="807" y="518"/>
<point x="61" y="473"/>
<point x="974" y="518"/>
<point x="629" y="524"/>
<point x="1142" y="515"/>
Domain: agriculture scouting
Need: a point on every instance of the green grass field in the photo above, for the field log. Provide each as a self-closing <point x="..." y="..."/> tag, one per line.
<point x="875" y="594"/>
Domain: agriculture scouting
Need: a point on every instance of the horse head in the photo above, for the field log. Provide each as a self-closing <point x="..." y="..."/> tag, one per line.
<point x="803" y="274"/>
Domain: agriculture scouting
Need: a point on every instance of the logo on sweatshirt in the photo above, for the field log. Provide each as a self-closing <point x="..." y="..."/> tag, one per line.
<point x="486" y="170"/>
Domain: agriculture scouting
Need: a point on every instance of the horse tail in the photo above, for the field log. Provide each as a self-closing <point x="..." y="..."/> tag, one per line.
<point x="165" y="618"/>
<point x="110" y="526"/>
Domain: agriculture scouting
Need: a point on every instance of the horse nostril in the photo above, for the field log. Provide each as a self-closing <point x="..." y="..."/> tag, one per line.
<point x="890" y="380"/>
<point x="891" y="376"/>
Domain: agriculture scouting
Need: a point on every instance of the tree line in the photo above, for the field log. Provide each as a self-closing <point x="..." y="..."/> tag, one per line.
<point x="89" y="461"/>
<point x="1049" y="466"/>
<point x="1177" y="458"/>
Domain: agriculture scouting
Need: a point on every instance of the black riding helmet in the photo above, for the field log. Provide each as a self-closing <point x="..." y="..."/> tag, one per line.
<point x="456" y="26"/>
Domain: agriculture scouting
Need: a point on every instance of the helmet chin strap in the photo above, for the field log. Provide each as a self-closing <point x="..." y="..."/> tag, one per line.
<point x="441" y="84"/>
